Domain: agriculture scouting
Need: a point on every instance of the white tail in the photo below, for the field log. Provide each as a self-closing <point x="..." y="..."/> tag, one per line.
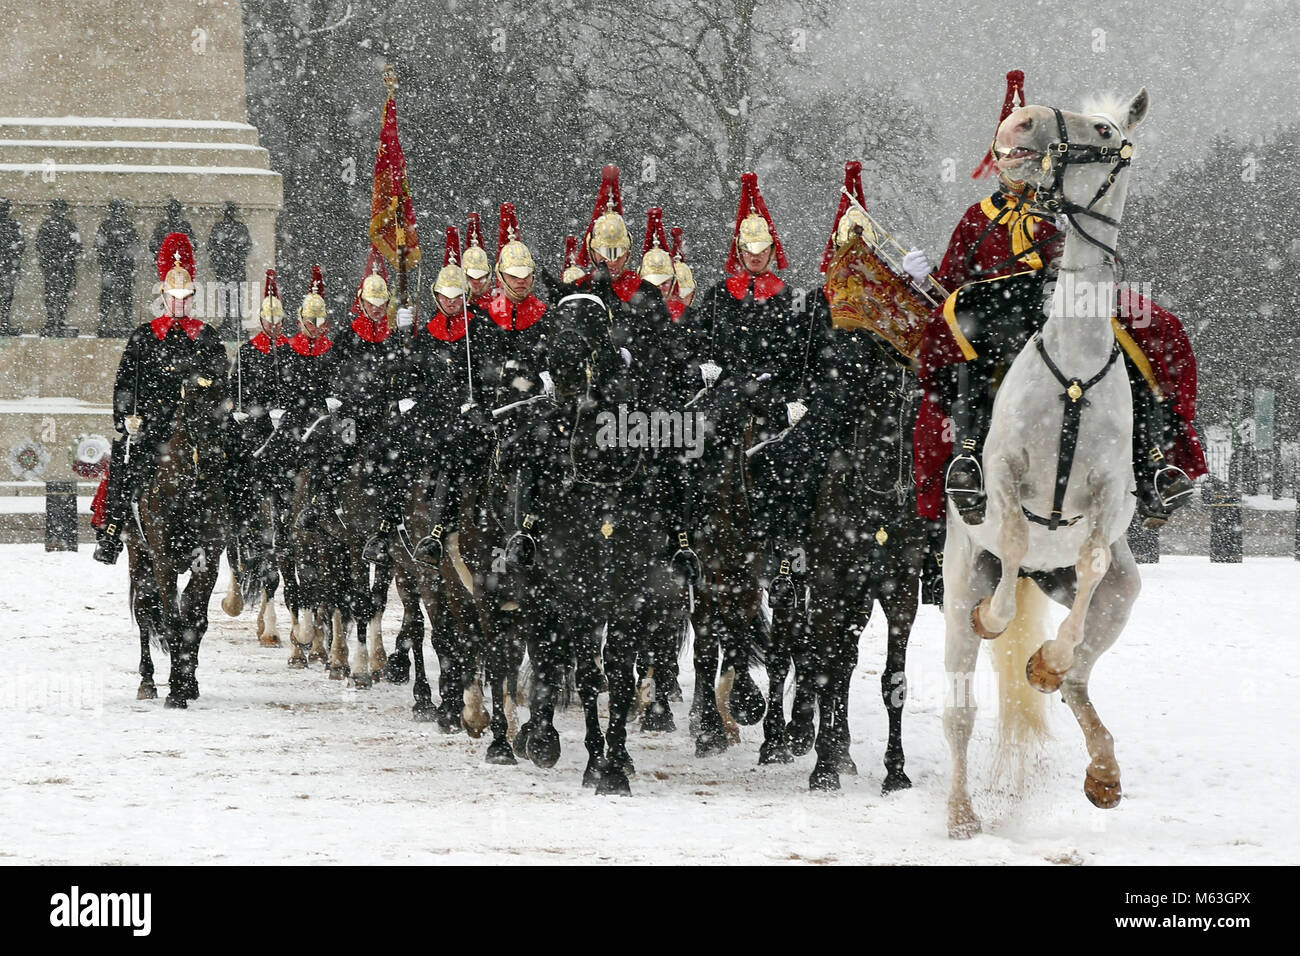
<point x="1022" y="711"/>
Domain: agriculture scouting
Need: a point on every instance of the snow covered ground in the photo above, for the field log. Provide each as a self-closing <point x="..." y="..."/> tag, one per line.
<point x="280" y="766"/>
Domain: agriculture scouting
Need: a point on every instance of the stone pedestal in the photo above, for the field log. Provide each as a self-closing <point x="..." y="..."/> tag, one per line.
<point x="131" y="100"/>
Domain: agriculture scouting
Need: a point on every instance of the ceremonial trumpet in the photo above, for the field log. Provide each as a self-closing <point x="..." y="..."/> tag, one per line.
<point x="933" y="293"/>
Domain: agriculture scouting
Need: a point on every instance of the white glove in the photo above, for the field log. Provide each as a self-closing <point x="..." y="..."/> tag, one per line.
<point x="276" y="414"/>
<point x="404" y="405"/>
<point x="1062" y="223"/>
<point x="133" y="424"/>
<point x="710" y="371"/>
<point x="333" y="404"/>
<point x="467" y="406"/>
<point x="627" y="357"/>
<point x="240" y="417"/>
<point x="405" y="317"/>
<point x="795" y="411"/>
<point x="916" y="265"/>
<point x="764" y="377"/>
<point x="547" y="385"/>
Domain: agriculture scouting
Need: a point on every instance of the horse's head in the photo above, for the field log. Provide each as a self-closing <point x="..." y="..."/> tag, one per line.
<point x="203" y="406"/>
<point x="580" y="324"/>
<point x="1072" y="161"/>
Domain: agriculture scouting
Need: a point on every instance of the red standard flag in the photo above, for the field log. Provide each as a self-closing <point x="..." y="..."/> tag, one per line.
<point x="392" y="214"/>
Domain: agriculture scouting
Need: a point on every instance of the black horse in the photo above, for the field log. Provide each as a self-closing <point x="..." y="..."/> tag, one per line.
<point x="868" y="545"/>
<point x="178" y="525"/>
<point x="601" y="590"/>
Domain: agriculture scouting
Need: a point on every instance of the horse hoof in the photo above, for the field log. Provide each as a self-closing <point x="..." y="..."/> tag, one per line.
<point x="613" y="783"/>
<point x="675" y="691"/>
<point x="962" y="823"/>
<point x="591" y="776"/>
<point x="376" y="676"/>
<point x="746" y="701"/>
<point x="147" y="691"/>
<point x="711" y="743"/>
<point x="448" y="724"/>
<point x="316" y="656"/>
<point x="657" y="721"/>
<point x="233" y="605"/>
<point x="978" y="625"/>
<point x="895" y="781"/>
<point x="521" y="738"/>
<point x="1103" y="796"/>
<point x="173" y="702"/>
<point x="398" y="669"/>
<point x="361" y="681"/>
<point x="270" y="640"/>
<point x="824" y="778"/>
<point x="338" y="673"/>
<point x="844" y="764"/>
<point x="543" y="747"/>
<point x="423" y="712"/>
<point x="298" y="662"/>
<point x="802" y="736"/>
<point x="499" y="754"/>
<point x="1040" y="676"/>
<point x="622" y="763"/>
<point x="774" y="752"/>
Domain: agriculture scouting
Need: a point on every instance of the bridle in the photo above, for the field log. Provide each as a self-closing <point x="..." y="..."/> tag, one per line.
<point x="1050" y="201"/>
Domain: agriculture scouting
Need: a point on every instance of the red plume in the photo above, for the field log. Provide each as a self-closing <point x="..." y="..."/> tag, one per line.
<point x="174" y="243"/>
<point x="269" y="288"/>
<point x="317" y="281"/>
<point x="570" y="251"/>
<point x="751" y="200"/>
<point x="654" y="229"/>
<point x="509" y="226"/>
<point x="451" y="257"/>
<point x="1015" y="87"/>
<point x="677" y="251"/>
<point x="609" y="193"/>
<point x="853" y="183"/>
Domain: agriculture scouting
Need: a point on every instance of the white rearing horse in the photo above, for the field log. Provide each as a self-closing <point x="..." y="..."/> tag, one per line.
<point x="1077" y="165"/>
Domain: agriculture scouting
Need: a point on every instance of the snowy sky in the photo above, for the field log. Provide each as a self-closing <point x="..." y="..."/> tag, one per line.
<point x="1211" y="67"/>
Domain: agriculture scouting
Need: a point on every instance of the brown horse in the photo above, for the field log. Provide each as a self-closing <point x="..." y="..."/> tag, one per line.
<point x="178" y="526"/>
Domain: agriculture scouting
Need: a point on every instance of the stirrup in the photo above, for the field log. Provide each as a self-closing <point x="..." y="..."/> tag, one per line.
<point x="685" y="563"/>
<point x="964" y="485"/>
<point x="521" y="550"/>
<point x="781" y="589"/>
<point x="376" y="548"/>
<point x="1172" y="486"/>
<point x="108" y="549"/>
<point x="428" y="550"/>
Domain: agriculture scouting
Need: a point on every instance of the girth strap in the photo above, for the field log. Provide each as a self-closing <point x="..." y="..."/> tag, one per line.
<point x="1074" y="402"/>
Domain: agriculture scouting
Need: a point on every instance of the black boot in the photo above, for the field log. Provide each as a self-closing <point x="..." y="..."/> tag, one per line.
<point x="685" y="563"/>
<point x="109" y="546"/>
<point x="778" y="577"/>
<point x="964" y="480"/>
<point x="376" y="548"/>
<point x="521" y="549"/>
<point x="429" y="549"/>
<point x="1162" y="488"/>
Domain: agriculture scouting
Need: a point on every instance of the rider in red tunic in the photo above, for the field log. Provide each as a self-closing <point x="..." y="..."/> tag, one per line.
<point x="997" y="237"/>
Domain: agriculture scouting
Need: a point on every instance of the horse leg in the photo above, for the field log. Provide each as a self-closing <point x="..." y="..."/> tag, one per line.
<point x="900" y="607"/>
<point x="338" y="645"/>
<point x="620" y="661"/>
<point x="589" y="680"/>
<point x="802" y="730"/>
<point x="378" y="603"/>
<point x="991" y="616"/>
<point x="658" y="714"/>
<point x="962" y="576"/>
<point x="825" y="773"/>
<point x="359" y="610"/>
<point x="1119" y="590"/>
<point x="710" y="734"/>
<point x="1049" y="664"/>
<point x="776" y="743"/>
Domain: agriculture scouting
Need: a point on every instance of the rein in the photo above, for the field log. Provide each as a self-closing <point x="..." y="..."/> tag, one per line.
<point x="1075" y="402"/>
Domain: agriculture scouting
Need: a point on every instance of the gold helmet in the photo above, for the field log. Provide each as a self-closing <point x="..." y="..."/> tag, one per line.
<point x="607" y="232"/>
<point x="451" y="278"/>
<point x="176" y="266"/>
<point x="656" y="263"/>
<point x="313" y="303"/>
<point x="475" y="261"/>
<point x="685" y="280"/>
<point x="854" y="219"/>
<point x="375" y="290"/>
<point x="272" y="309"/>
<point x="514" y="259"/>
<point x="754" y="235"/>
<point x="572" y="271"/>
